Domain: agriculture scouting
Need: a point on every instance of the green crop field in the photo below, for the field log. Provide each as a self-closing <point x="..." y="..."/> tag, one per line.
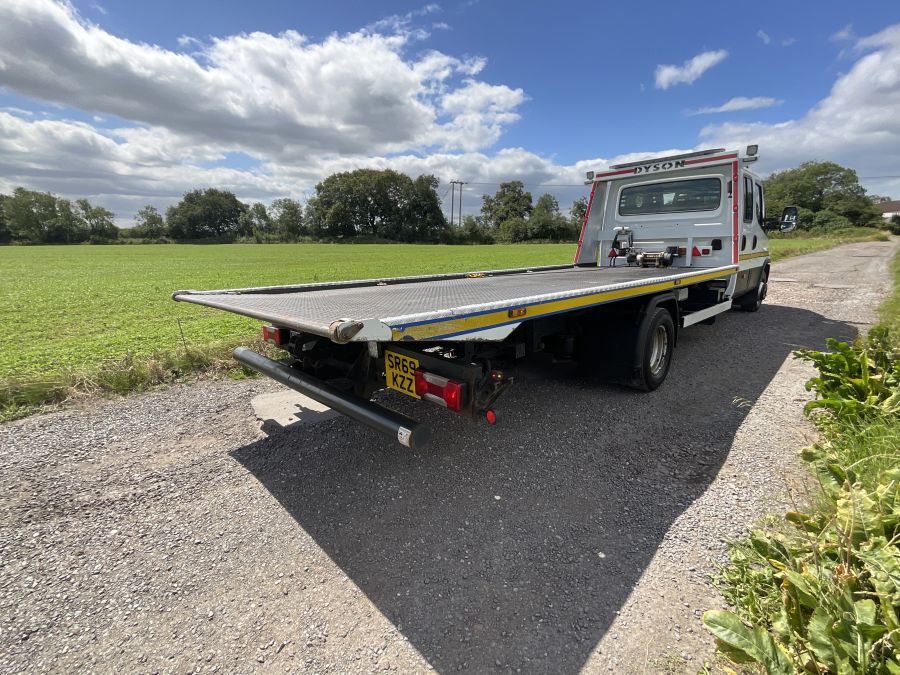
<point x="100" y="318"/>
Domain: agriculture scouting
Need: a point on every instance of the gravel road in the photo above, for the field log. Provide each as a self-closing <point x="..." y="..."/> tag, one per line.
<point x="166" y="533"/>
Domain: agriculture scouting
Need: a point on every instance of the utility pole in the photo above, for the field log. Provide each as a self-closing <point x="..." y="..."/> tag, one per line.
<point x="453" y="184"/>
<point x="452" y="199"/>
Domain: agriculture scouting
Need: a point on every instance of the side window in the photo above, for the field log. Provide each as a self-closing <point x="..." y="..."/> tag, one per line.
<point x="760" y="205"/>
<point x="748" y="199"/>
<point x="744" y="242"/>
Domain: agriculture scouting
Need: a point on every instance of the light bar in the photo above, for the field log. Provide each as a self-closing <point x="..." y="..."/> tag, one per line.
<point x="699" y="153"/>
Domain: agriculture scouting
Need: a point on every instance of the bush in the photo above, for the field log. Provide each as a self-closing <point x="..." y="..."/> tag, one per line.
<point x="894" y="224"/>
<point x="855" y="382"/>
<point x="829" y="220"/>
<point x="819" y="590"/>
<point x="514" y="229"/>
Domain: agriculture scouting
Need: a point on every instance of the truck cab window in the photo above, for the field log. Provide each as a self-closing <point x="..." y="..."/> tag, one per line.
<point x="677" y="196"/>
<point x="760" y="205"/>
<point x="748" y="199"/>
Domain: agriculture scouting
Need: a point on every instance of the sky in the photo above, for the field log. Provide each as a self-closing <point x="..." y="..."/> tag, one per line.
<point x="136" y="103"/>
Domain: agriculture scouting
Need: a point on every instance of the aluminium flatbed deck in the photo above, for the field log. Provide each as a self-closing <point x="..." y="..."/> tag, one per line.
<point x="443" y="307"/>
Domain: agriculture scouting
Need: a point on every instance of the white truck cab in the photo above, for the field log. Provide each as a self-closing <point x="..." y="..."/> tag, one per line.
<point x="697" y="210"/>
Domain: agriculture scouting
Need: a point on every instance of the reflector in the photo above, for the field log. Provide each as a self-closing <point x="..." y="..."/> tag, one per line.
<point x="276" y="336"/>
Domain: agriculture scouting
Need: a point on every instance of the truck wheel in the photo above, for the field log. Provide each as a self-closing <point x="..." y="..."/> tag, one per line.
<point x="656" y="342"/>
<point x="754" y="299"/>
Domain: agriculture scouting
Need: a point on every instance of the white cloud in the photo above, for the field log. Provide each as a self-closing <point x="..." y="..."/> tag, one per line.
<point x="273" y="94"/>
<point x="17" y="111"/>
<point x="303" y="109"/>
<point x="844" y="34"/>
<point x="402" y="23"/>
<point x="787" y="42"/>
<point x="762" y="35"/>
<point x="188" y="41"/>
<point x="688" y="72"/>
<point x="739" y="103"/>
<point x="856" y="124"/>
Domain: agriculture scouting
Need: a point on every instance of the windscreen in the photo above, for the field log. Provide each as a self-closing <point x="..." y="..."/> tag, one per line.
<point x="695" y="194"/>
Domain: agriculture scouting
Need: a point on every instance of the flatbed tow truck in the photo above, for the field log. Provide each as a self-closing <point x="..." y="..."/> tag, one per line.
<point x="666" y="243"/>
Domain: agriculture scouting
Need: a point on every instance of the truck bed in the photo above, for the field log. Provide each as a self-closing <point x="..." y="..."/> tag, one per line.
<point x="443" y="306"/>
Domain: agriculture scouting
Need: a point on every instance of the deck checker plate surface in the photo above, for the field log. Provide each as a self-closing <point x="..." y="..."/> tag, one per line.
<point x="402" y="303"/>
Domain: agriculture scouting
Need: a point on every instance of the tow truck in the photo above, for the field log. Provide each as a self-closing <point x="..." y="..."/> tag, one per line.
<point x="666" y="243"/>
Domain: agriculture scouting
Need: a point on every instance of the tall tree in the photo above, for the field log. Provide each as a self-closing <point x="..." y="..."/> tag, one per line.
<point x="30" y="215"/>
<point x="255" y="222"/>
<point x="386" y="204"/>
<point x="149" y="223"/>
<point x="546" y="222"/>
<point x="205" y="214"/>
<point x="69" y="225"/>
<point x="577" y="212"/>
<point x="424" y="218"/>
<point x="100" y="221"/>
<point x="510" y="201"/>
<point x="287" y="219"/>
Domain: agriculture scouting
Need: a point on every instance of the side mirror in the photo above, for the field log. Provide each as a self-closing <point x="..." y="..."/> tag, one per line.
<point x="790" y="220"/>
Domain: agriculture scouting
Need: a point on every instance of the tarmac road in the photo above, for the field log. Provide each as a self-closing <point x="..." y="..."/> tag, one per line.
<point x="166" y="533"/>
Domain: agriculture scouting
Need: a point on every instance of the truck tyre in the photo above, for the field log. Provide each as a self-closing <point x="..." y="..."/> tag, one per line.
<point x="754" y="299"/>
<point x="655" y="344"/>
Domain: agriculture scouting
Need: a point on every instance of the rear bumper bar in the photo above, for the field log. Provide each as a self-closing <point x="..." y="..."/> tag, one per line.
<point x="407" y="431"/>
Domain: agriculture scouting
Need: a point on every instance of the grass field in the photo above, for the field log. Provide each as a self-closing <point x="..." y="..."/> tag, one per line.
<point x="97" y="314"/>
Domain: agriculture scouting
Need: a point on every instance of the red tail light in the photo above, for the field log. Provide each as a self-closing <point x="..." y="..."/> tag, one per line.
<point x="421" y="383"/>
<point x="440" y="390"/>
<point x="276" y="336"/>
<point x="453" y="395"/>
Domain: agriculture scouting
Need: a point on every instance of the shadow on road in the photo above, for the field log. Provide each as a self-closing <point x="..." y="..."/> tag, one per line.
<point x="514" y="546"/>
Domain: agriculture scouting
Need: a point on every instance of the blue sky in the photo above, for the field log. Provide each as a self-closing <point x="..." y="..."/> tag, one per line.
<point x="134" y="103"/>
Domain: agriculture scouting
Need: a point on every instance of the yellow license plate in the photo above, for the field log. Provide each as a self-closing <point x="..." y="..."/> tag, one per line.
<point x="399" y="370"/>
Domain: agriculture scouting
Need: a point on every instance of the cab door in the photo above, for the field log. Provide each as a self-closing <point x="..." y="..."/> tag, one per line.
<point x="751" y="240"/>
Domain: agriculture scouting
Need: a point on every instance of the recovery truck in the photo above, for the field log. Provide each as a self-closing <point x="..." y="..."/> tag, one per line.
<point x="666" y="243"/>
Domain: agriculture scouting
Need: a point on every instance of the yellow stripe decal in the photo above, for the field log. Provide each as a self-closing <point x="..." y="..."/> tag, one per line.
<point x="758" y="254"/>
<point x="468" y="324"/>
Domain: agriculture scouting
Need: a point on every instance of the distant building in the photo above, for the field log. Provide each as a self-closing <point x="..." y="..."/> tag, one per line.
<point x="889" y="209"/>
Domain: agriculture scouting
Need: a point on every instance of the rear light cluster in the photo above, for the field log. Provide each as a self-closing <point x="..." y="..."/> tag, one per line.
<point x="440" y="390"/>
<point x="696" y="251"/>
<point x="276" y="336"/>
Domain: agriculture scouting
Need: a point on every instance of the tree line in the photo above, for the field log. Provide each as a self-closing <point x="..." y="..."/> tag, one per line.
<point x="385" y="205"/>
<point x="827" y="194"/>
<point x="40" y="217"/>
<point x="366" y="205"/>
